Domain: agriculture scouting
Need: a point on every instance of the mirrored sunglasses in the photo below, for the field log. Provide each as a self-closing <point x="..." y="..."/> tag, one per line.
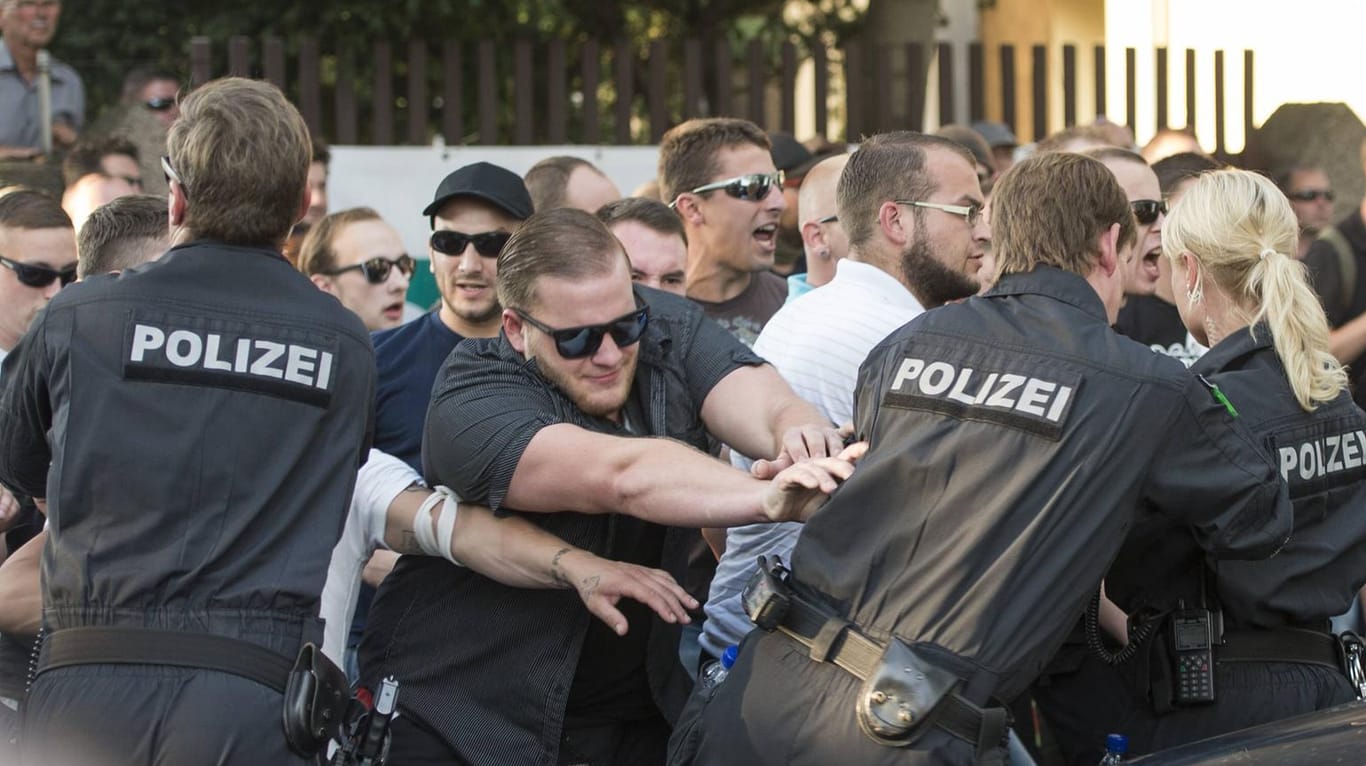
<point x="159" y="104"/>
<point x="752" y="187"/>
<point x="488" y="244"/>
<point x="31" y="275"/>
<point x="582" y="342"/>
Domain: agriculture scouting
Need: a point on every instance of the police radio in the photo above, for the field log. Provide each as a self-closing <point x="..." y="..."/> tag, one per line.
<point x="1193" y="656"/>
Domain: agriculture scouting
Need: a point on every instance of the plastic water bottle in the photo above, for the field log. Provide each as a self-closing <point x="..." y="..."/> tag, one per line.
<point x="1116" y="747"/>
<point x="716" y="671"/>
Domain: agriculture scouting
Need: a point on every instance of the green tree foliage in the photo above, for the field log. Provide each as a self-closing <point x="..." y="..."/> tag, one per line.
<point x="104" y="39"/>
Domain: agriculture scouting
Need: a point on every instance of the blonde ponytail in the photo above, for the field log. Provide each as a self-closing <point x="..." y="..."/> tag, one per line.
<point x="1239" y="227"/>
<point x="1299" y="329"/>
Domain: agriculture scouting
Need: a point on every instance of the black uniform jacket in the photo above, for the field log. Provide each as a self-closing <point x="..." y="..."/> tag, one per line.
<point x="1012" y="438"/>
<point x="203" y="417"/>
<point x="1321" y="455"/>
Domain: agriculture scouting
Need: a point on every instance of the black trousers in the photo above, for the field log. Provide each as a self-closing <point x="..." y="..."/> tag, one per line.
<point x="778" y="708"/>
<point x="1081" y="708"/>
<point x="633" y="743"/>
<point x="125" y="715"/>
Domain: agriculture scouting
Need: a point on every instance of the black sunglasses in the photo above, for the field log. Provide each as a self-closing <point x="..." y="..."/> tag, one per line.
<point x="159" y="104"/>
<point x="752" y="187"/>
<point x="1310" y="195"/>
<point x="488" y="244"/>
<point x="376" y="270"/>
<point x="1147" y="210"/>
<point x="39" y="276"/>
<point x="581" y="342"/>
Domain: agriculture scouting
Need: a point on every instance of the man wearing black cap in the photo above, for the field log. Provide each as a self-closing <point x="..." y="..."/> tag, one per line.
<point x="475" y="210"/>
<point x="794" y="160"/>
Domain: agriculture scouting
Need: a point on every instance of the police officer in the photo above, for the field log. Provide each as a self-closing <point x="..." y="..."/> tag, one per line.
<point x="1011" y="439"/>
<point x="206" y="416"/>
<point x="1231" y="242"/>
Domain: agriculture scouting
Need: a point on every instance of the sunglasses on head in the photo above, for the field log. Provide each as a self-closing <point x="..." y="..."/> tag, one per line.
<point x="1147" y="210"/>
<point x="1312" y="195"/>
<point x="581" y="342"/>
<point x="30" y="275"/>
<point x="488" y="244"/>
<point x="376" y="270"/>
<point x="752" y="187"/>
<point x="159" y="104"/>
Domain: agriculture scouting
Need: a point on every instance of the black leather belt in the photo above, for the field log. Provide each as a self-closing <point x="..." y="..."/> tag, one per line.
<point x="830" y="639"/>
<point x="1279" y="645"/>
<point x="141" y="646"/>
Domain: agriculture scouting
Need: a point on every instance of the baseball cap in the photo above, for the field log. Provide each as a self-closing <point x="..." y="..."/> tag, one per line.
<point x="789" y="155"/>
<point x="995" y="133"/>
<point x="496" y="185"/>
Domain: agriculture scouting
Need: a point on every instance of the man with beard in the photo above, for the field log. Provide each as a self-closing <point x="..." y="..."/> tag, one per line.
<point x="585" y="415"/>
<point x="991" y="499"/>
<point x="718" y="175"/>
<point x="902" y="259"/>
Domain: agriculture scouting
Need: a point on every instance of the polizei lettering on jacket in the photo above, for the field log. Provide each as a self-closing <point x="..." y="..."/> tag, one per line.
<point x="1030" y="403"/>
<point x="250" y="357"/>
<point x="1313" y="463"/>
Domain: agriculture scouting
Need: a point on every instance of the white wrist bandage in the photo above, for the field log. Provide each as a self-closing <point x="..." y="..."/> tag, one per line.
<point x="442" y="507"/>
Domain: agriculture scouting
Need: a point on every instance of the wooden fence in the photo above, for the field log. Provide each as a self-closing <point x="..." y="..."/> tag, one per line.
<point x="624" y="94"/>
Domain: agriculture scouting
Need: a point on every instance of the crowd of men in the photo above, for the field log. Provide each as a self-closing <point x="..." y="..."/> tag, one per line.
<point x="539" y="504"/>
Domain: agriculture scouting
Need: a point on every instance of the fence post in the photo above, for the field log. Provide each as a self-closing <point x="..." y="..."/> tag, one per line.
<point x="417" y="92"/>
<point x="201" y="61"/>
<point x="556" y="132"/>
<point x="310" y="84"/>
<point x="947" y="110"/>
<point x="524" y="88"/>
<point x="659" y="90"/>
<point x="1040" y="82"/>
<point x="382" y="118"/>
<point x="239" y="56"/>
<point x="625" y="84"/>
<point x="488" y="94"/>
<point x="1069" y="85"/>
<point x="344" y="102"/>
<point x="453" y="93"/>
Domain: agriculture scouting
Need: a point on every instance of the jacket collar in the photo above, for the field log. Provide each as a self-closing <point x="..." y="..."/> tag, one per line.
<point x="1235" y="346"/>
<point x="1054" y="283"/>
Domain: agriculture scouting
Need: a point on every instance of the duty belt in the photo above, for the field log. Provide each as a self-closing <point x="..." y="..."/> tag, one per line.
<point x="829" y="638"/>
<point x="315" y="690"/>
<point x="1279" y="645"/>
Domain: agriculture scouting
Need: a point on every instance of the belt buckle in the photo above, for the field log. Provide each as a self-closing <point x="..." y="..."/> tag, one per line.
<point x="1353" y="663"/>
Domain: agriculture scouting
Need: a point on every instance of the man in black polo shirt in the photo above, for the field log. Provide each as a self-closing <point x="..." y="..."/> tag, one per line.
<point x="549" y="419"/>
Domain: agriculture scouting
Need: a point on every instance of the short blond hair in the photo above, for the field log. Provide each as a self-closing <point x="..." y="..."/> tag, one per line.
<point x="1242" y="232"/>
<point x="1050" y="210"/>
<point x="242" y="152"/>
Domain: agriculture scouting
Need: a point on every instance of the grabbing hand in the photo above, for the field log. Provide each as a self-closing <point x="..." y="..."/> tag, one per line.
<point x="797" y="491"/>
<point x="802" y="443"/>
<point x="601" y="583"/>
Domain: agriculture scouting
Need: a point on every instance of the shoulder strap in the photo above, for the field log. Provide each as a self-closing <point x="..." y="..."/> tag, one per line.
<point x="1347" y="265"/>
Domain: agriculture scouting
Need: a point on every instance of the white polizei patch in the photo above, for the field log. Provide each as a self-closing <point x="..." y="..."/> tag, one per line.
<point x="1317" y="458"/>
<point x="255" y="357"/>
<point x="1034" y="397"/>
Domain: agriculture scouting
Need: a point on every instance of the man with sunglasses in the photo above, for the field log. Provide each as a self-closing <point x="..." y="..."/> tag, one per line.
<point x="718" y="175"/>
<point x="1337" y="266"/>
<point x="586" y="414"/>
<point x="37" y="258"/>
<point x="473" y="213"/>
<point x="1311" y="196"/>
<point x="357" y="257"/>
<point x="196" y="424"/>
<point x="155" y="90"/>
<point x="1145" y="198"/>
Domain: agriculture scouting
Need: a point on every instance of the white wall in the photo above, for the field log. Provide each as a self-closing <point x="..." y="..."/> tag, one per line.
<point x="398" y="182"/>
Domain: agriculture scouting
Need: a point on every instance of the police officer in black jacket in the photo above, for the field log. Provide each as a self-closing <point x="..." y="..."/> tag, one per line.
<point x="1011" y="437"/>
<point x="1231" y="240"/>
<point x="195" y="425"/>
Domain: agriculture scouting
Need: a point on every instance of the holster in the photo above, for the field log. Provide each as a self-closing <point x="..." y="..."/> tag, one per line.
<point x="315" y="698"/>
<point x="1352" y="656"/>
<point x="900" y="697"/>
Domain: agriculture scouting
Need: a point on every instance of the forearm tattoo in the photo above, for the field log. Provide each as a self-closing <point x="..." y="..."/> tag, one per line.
<point x="556" y="572"/>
